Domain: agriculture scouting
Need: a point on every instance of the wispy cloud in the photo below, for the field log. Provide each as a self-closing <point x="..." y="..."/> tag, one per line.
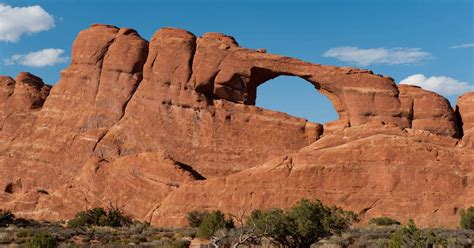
<point x="440" y="84"/>
<point x="467" y="45"/>
<point x="365" y="57"/>
<point x="42" y="58"/>
<point x="16" y="21"/>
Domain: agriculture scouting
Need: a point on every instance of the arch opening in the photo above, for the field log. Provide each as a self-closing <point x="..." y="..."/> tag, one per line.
<point x="297" y="97"/>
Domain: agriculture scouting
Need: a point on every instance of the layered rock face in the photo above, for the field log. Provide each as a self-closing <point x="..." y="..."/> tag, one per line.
<point x="168" y="126"/>
<point x="465" y="113"/>
<point x="428" y="111"/>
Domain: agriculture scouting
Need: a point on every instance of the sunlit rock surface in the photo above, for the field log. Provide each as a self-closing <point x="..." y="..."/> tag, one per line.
<point x="163" y="127"/>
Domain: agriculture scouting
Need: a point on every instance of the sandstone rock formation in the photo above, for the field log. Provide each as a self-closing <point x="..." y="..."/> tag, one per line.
<point x="17" y="97"/>
<point x="428" y="111"/>
<point x="167" y="126"/>
<point x="465" y="114"/>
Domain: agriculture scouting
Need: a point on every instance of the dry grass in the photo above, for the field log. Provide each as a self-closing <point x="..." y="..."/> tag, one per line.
<point x="379" y="236"/>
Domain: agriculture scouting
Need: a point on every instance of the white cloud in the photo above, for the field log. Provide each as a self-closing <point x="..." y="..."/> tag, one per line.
<point x="365" y="57"/>
<point x="467" y="45"/>
<point x="45" y="57"/>
<point x="16" y="21"/>
<point x="442" y="85"/>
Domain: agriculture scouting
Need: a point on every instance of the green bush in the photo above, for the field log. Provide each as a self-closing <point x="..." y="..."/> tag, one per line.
<point x="467" y="218"/>
<point x="116" y="218"/>
<point x="272" y="223"/>
<point x="25" y="233"/>
<point x="6" y="217"/>
<point x="186" y="232"/>
<point x="212" y="222"/>
<point x="195" y="218"/>
<point x="90" y="217"/>
<point x="412" y="236"/>
<point x="302" y="225"/>
<point x="42" y="240"/>
<point x="383" y="221"/>
<point x="179" y="243"/>
<point x="172" y="243"/>
<point x="113" y="217"/>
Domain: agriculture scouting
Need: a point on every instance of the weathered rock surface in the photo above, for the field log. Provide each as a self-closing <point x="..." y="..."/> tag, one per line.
<point x="428" y="111"/>
<point x="143" y="180"/>
<point x="18" y="97"/>
<point x="465" y="113"/>
<point x="163" y="127"/>
<point x="216" y="137"/>
<point x="389" y="172"/>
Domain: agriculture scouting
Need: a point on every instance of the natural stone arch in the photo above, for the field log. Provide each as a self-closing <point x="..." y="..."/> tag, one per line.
<point x="223" y="70"/>
<point x="357" y="95"/>
<point x="260" y="76"/>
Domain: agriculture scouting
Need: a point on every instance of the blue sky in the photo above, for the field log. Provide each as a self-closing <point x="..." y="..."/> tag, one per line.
<point x="402" y="39"/>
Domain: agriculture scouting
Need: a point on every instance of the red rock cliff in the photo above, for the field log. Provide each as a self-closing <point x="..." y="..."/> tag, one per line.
<point x="168" y="126"/>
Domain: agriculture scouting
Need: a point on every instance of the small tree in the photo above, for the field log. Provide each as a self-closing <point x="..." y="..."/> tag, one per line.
<point x="92" y="217"/>
<point x="383" y="221"/>
<point x="116" y="218"/>
<point x="113" y="217"/>
<point x="467" y="218"/>
<point x="212" y="222"/>
<point x="304" y="224"/>
<point x="272" y="223"/>
<point x="242" y="235"/>
<point x="411" y="236"/>
<point x="195" y="218"/>
<point x="6" y="217"/>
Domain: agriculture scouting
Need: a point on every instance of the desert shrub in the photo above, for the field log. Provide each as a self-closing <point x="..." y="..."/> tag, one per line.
<point x="271" y="223"/>
<point x="138" y="227"/>
<point x="138" y="238"/>
<point x="116" y="218"/>
<point x="302" y="225"/>
<point x="113" y="217"/>
<point x="42" y="240"/>
<point x="467" y="218"/>
<point x="383" y="221"/>
<point x="5" y="237"/>
<point x="92" y="217"/>
<point x="411" y="236"/>
<point x="178" y="243"/>
<point x="168" y="235"/>
<point x="185" y="232"/>
<point x="175" y="243"/>
<point x="86" y="239"/>
<point x="212" y="222"/>
<point x="64" y="233"/>
<point x="195" y="218"/>
<point x="6" y="217"/>
<point x="24" y="233"/>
